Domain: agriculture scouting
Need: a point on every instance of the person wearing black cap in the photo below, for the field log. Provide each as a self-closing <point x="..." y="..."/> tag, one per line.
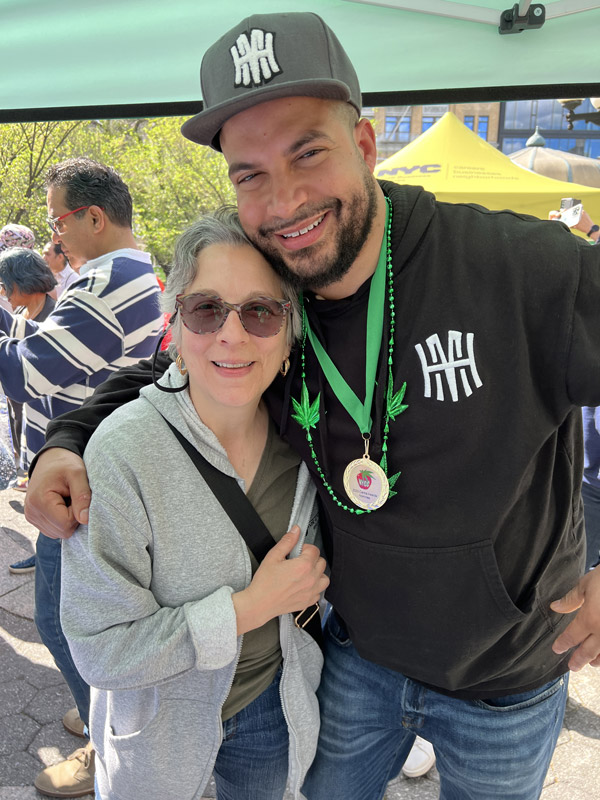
<point x="434" y="336"/>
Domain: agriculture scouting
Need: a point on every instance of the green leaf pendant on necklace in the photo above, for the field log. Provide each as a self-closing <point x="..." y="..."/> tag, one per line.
<point x="307" y="413"/>
<point x="394" y="401"/>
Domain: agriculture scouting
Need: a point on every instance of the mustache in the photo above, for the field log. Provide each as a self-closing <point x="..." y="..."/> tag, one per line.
<point x="297" y="221"/>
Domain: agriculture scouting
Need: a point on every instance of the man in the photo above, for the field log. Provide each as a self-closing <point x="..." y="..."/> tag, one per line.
<point x="57" y="261"/>
<point x="433" y="395"/>
<point x="110" y="319"/>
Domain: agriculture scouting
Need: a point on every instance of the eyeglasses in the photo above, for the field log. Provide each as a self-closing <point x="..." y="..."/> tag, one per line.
<point x="205" y="313"/>
<point x="53" y="221"/>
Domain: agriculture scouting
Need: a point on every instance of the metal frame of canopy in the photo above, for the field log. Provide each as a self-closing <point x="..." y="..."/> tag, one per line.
<point x="490" y="16"/>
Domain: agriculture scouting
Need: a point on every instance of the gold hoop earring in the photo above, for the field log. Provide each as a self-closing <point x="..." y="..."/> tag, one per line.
<point x="180" y="365"/>
<point x="283" y="370"/>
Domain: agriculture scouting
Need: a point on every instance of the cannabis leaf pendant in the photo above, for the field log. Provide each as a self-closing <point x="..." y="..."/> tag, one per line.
<point x="395" y="406"/>
<point x="394" y="401"/>
<point x="307" y="414"/>
<point x="392" y="482"/>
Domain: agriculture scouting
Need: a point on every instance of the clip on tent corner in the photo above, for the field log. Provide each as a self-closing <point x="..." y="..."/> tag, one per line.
<point x="512" y="22"/>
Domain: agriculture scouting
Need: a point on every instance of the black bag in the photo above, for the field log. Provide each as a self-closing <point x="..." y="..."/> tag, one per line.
<point x="248" y="523"/>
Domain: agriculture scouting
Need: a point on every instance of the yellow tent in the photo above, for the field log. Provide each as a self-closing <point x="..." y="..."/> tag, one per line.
<point x="456" y="165"/>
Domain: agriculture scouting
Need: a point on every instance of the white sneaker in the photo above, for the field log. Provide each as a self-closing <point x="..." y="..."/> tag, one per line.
<point x="420" y="759"/>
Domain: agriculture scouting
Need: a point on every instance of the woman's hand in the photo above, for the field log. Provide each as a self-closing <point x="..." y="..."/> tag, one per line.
<point x="281" y="585"/>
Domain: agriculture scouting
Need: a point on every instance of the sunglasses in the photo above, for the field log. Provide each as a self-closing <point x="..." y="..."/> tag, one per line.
<point x="205" y="313"/>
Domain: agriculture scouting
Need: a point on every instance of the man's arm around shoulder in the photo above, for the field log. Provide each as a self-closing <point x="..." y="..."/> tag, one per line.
<point x="58" y="495"/>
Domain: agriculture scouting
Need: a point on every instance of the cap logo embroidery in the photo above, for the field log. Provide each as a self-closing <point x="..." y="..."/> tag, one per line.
<point x="254" y="59"/>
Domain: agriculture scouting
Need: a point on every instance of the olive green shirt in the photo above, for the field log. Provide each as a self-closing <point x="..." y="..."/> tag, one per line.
<point x="272" y="494"/>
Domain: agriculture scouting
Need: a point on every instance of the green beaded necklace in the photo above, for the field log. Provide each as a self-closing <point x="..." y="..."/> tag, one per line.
<point x="307" y="413"/>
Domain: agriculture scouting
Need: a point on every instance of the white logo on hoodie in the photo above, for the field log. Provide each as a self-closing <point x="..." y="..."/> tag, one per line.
<point x="447" y="364"/>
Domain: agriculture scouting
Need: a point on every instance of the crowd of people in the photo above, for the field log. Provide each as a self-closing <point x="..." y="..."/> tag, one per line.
<point x="30" y="286"/>
<point x="368" y="417"/>
<point x="107" y="316"/>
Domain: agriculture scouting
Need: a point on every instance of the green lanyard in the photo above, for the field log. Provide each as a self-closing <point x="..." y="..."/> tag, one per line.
<point x="360" y="412"/>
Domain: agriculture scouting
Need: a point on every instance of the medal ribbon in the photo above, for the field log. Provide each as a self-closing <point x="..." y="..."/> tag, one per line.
<point x="360" y="412"/>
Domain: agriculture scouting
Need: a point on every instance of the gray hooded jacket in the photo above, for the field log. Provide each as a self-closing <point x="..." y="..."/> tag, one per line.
<point x="146" y="606"/>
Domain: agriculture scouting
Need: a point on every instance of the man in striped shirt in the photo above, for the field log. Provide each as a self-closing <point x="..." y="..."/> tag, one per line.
<point x="108" y="320"/>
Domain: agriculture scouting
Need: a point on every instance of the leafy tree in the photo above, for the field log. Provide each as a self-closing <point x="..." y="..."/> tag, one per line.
<point x="172" y="180"/>
<point x="26" y="152"/>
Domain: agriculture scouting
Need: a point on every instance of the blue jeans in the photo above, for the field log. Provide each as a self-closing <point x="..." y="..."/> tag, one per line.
<point x="370" y="715"/>
<point x="253" y="758"/>
<point x="47" y="620"/>
<point x="591" y="511"/>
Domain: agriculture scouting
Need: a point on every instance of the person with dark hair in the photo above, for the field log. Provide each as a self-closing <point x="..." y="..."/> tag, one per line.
<point x="86" y="183"/>
<point x="25" y="280"/>
<point x="14" y="235"/>
<point x="110" y="318"/>
<point x="57" y="261"/>
<point x="436" y="396"/>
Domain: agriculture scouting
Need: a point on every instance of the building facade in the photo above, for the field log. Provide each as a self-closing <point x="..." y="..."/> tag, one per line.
<point x="505" y="125"/>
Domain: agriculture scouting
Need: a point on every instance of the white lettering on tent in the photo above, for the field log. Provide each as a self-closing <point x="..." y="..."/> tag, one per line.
<point x="448" y="363"/>
<point x="425" y="168"/>
<point x="254" y="59"/>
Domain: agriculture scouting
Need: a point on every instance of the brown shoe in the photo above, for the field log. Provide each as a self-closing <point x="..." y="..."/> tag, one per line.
<point x="71" y="778"/>
<point x="73" y="723"/>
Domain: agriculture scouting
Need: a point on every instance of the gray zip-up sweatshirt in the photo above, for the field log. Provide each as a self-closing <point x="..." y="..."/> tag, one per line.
<point x="146" y="606"/>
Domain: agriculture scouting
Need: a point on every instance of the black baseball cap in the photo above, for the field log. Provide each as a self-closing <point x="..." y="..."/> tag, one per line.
<point x="265" y="57"/>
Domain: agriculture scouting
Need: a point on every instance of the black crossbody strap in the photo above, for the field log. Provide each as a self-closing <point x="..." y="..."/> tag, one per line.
<point x="248" y="523"/>
<point x="229" y="493"/>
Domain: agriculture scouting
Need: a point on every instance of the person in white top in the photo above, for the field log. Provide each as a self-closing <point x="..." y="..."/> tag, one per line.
<point x="63" y="272"/>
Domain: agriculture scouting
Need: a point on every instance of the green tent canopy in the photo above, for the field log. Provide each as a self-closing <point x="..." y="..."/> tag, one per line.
<point x="66" y="59"/>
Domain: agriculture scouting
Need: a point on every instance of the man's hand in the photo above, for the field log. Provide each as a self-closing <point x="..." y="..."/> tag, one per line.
<point x="584" y="631"/>
<point x="58" y="496"/>
<point x="281" y="585"/>
<point x="585" y="222"/>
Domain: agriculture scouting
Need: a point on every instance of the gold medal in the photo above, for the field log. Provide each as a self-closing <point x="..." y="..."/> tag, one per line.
<point x="366" y="484"/>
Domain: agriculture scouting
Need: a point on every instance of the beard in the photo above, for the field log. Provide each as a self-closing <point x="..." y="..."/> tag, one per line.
<point x="311" y="269"/>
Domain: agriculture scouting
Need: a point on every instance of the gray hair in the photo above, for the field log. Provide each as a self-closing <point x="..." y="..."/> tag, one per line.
<point x="221" y="227"/>
<point x="26" y="270"/>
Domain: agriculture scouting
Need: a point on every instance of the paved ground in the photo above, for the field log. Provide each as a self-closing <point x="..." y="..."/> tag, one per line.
<point x="34" y="697"/>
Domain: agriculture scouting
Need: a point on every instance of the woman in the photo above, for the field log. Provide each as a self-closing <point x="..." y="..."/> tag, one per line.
<point x="25" y="280"/>
<point x="196" y="661"/>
